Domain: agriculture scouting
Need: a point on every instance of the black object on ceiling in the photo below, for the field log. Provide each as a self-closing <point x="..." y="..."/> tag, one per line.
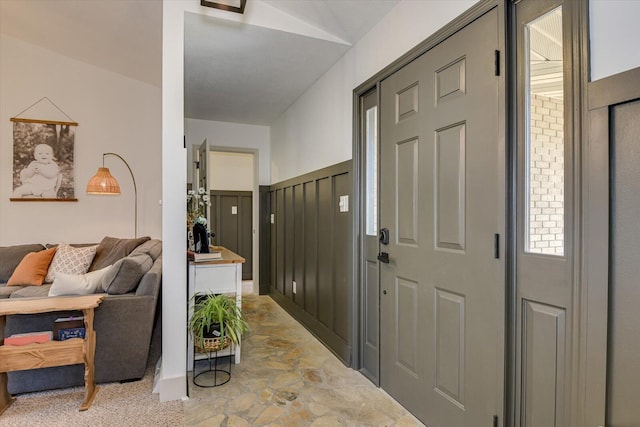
<point x="226" y="5"/>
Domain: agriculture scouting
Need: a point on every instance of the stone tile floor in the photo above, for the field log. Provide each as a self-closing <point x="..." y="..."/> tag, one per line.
<point x="288" y="378"/>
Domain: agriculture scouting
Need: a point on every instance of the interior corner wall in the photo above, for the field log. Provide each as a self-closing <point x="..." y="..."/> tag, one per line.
<point x="115" y="114"/>
<point x="614" y="34"/>
<point x="230" y="136"/>
<point x="316" y="131"/>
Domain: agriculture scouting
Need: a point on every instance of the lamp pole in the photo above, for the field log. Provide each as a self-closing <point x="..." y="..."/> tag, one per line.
<point x="135" y="189"/>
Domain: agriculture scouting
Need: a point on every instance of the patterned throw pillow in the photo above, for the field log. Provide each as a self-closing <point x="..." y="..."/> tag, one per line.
<point x="70" y="260"/>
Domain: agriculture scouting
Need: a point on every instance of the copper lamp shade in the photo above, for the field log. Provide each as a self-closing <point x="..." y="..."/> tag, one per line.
<point x="103" y="183"/>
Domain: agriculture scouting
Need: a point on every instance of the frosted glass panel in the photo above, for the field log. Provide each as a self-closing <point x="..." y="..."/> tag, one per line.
<point x="371" y="144"/>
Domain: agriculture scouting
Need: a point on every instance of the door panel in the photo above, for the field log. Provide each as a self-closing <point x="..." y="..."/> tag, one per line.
<point x="370" y="363"/>
<point x="231" y="217"/>
<point x="544" y="265"/>
<point x="543" y="362"/>
<point x="441" y="197"/>
<point x="450" y="329"/>
<point x="228" y="229"/>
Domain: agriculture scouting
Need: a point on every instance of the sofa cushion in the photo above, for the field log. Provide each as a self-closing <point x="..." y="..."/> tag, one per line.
<point x="78" y="284"/>
<point x="112" y="249"/>
<point x="152" y="247"/>
<point x="10" y="257"/>
<point x="32" y="269"/>
<point x="32" y="292"/>
<point x="124" y="275"/>
<point x="6" y="291"/>
<point x="70" y="260"/>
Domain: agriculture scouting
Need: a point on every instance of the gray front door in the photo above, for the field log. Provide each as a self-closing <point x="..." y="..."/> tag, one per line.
<point x="442" y="175"/>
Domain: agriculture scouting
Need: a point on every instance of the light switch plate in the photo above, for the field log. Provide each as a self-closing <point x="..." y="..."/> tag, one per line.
<point x="273" y="218"/>
<point x="234" y="210"/>
<point x="294" y="286"/>
<point x="344" y="204"/>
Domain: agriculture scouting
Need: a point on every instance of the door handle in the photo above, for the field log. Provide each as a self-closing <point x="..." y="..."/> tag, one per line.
<point x="384" y="236"/>
<point x="383" y="257"/>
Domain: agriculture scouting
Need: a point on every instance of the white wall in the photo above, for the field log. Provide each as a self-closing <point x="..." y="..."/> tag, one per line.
<point x="115" y="114"/>
<point x="230" y="136"/>
<point x="231" y="171"/>
<point x="614" y="34"/>
<point x="316" y="131"/>
<point x="170" y="381"/>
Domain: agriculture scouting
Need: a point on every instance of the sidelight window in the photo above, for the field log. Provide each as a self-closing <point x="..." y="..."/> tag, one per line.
<point x="371" y="147"/>
<point x="545" y="135"/>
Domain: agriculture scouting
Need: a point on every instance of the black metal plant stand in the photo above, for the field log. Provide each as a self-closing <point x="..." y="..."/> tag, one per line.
<point x="220" y="376"/>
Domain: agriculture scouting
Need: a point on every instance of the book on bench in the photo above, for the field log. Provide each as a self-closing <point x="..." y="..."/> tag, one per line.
<point x="199" y="257"/>
<point x="68" y="327"/>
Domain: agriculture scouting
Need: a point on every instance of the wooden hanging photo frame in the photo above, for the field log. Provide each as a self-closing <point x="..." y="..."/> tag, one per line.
<point x="43" y="159"/>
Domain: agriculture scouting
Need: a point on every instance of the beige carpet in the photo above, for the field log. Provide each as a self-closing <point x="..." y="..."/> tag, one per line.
<point x="115" y="405"/>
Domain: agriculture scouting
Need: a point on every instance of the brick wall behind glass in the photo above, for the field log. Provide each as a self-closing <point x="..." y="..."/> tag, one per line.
<point x="546" y="202"/>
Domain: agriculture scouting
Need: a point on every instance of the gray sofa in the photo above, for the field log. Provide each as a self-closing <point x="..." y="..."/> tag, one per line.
<point x="123" y="323"/>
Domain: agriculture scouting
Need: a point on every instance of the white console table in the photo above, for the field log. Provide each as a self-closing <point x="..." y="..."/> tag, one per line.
<point x="221" y="276"/>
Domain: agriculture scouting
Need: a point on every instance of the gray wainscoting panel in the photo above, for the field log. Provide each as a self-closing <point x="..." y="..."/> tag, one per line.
<point x="289" y="214"/>
<point x="310" y="248"/>
<point x="325" y="256"/>
<point x="264" y="240"/>
<point x="342" y="261"/>
<point x="279" y="265"/>
<point x="298" y="248"/>
<point x="245" y="235"/>
<point x="313" y="246"/>
<point x="273" y="213"/>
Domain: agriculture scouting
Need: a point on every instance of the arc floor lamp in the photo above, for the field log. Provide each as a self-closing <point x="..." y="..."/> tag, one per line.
<point x="103" y="183"/>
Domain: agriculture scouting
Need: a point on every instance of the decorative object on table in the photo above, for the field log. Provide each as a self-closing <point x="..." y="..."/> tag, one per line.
<point x="43" y="155"/>
<point x="200" y="237"/>
<point x="103" y="183"/>
<point x="236" y="6"/>
<point x="197" y="203"/>
<point x="216" y="322"/>
<point x="200" y="257"/>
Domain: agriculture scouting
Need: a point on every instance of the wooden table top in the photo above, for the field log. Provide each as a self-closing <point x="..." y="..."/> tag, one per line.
<point x="228" y="257"/>
<point x="10" y="306"/>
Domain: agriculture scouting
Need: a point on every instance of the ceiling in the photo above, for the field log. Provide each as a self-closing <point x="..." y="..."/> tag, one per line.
<point x="107" y="34"/>
<point x="234" y="72"/>
<point x="243" y="73"/>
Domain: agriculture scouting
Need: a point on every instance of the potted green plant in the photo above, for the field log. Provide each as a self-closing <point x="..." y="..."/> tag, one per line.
<point x="217" y="319"/>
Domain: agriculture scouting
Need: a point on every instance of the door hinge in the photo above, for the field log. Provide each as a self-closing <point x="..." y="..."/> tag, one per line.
<point x="497" y="62"/>
<point x="495" y="421"/>
<point x="496" y="246"/>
